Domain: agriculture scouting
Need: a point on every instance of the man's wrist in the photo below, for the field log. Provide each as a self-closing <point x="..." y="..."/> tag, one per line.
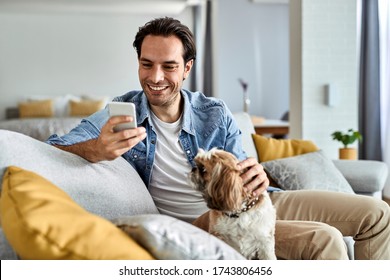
<point x="85" y="150"/>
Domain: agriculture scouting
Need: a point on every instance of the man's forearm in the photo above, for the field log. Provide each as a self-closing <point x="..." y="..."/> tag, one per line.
<point x="86" y="150"/>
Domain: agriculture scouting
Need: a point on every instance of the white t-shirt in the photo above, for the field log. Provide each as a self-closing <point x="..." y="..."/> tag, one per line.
<point x="169" y="185"/>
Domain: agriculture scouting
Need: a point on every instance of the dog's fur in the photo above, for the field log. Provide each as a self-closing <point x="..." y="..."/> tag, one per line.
<point x="247" y="228"/>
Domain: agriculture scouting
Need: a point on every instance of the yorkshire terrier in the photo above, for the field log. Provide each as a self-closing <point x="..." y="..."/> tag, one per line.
<point x="245" y="222"/>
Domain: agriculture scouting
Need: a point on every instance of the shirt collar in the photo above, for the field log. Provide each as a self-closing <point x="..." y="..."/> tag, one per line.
<point x="187" y="114"/>
<point x="145" y="110"/>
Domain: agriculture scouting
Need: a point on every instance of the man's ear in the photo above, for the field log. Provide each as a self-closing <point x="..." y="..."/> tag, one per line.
<point x="187" y="68"/>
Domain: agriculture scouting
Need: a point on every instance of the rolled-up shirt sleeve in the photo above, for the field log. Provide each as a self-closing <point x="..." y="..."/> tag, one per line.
<point x="89" y="128"/>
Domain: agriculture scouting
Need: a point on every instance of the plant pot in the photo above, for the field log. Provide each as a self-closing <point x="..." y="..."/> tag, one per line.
<point x="348" y="153"/>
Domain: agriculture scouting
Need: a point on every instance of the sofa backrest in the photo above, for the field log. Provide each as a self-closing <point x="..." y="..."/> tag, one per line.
<point x="245" y="124"/>
<point x="109" y="189"/>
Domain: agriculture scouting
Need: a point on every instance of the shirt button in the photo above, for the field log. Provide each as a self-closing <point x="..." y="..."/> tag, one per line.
<point x="153" y="142"/>
<point x="188" y="151"/>
<point x="135" y="156"/>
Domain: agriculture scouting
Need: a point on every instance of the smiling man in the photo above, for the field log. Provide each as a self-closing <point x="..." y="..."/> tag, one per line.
<point x="173" y="123"/>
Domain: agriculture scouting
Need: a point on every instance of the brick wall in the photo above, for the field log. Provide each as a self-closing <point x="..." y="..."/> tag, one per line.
<point x="325" y="53"/>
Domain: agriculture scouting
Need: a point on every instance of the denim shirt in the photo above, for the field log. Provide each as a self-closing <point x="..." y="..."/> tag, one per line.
<point x="206" y="123"/>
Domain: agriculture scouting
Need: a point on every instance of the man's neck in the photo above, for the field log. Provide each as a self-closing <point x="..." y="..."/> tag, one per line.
<point x="170" y="113"/>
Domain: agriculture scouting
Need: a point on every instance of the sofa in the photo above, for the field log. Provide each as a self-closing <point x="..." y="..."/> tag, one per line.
<point x="56" y="205"/>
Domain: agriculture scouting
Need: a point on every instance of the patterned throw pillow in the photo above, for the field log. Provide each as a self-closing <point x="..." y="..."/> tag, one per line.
<point x="310" y="171"/>
<point x="167" y="238"/>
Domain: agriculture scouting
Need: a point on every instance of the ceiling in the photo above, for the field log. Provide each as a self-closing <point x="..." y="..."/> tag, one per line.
<point x="100" y="6"/>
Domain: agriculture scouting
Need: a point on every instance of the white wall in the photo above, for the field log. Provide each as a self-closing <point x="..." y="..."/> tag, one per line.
<point x="324" y="50"/>
<point x="56" y="53"/>
<point x="252" y="43"/>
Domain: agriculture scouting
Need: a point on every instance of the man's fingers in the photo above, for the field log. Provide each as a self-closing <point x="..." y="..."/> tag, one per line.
<point x="247" y="163"/>
<point x="258" y="185"/>
<point x="114" y="144"/>
<point x="254" y="177"/>
<point x="254" y="168"/>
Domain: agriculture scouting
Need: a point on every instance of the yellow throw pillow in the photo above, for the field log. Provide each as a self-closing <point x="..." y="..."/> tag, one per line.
<point x="42" y="222"/>
<point x="271" y="148"/>
<point x="85" y="107"/>
<point x="36" y="109"/>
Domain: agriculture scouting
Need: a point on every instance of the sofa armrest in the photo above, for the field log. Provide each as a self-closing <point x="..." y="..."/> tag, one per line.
<point x="365" y="176"/>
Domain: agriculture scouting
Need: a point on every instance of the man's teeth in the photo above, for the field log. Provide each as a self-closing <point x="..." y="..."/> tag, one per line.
<point x="157" y="88"/>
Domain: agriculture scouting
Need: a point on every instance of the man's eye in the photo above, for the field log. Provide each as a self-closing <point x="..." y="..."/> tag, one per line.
<point x="146" y="65"/>
<point x="170" y="67"/>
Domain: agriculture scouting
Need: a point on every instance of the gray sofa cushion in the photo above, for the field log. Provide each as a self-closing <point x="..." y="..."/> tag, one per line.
<point x="94" y="186"/>
<point x="167" y="238"/>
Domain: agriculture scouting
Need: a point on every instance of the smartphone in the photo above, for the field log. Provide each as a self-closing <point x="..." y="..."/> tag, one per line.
<point x="123" y="109"/>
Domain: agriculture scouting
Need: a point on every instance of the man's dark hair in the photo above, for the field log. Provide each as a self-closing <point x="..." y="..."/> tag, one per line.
<point x="167" y="27"/>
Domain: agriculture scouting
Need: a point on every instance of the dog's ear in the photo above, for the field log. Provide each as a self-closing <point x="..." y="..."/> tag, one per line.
<point x="226" y="190"/>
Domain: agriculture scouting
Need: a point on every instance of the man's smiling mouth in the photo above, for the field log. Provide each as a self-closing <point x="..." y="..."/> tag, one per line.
<point x="157" y="88"/>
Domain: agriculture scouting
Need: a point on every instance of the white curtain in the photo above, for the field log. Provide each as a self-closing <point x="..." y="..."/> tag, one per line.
<point x="384" y="35"/>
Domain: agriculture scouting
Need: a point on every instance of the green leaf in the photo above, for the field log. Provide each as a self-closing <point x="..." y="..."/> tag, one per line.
<point x="347" y="138"/>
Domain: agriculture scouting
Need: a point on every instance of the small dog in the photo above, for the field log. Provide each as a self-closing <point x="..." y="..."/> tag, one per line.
<point x="245" y="222"/>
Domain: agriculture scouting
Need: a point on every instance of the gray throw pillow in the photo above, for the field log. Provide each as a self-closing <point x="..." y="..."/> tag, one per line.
<point x="167" y="238"/>
<point x="311" y="171"/>
<point x="109" y="189"/>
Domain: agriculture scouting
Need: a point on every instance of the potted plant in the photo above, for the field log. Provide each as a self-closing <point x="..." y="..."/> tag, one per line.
<point x="348" y="138"/>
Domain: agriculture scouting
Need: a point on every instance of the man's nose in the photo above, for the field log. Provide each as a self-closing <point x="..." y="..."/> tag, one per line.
<point x="157" y="74"/>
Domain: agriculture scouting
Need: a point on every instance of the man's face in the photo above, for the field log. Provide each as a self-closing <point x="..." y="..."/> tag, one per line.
<point x="161" y="70"/>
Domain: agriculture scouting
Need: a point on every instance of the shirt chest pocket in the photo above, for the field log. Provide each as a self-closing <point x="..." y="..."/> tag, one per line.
<point x="137" y="153"/>
<point x="137" y="156"/>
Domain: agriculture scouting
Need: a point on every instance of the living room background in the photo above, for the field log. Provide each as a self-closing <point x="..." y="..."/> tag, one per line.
<point x="56" y="52"/>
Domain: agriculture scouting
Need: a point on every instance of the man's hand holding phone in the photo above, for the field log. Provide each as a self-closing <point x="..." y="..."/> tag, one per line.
<point x="120" y="133"/>
<point x="123" y="109"/>
<point x="117" y="136"/>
